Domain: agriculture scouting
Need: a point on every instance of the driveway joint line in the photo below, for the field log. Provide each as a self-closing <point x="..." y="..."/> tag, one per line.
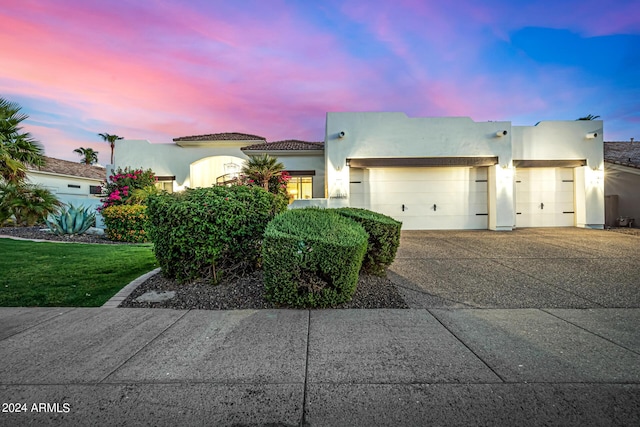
<point x="598" y="305"/>
<point x="591" y="332"/>
<point x="40" y="322"/>
<point x="143" y="347"/>
<point x="467" y="347"/>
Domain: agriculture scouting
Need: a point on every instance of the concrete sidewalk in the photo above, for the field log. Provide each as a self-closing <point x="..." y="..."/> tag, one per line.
<point x="102" y="366"/>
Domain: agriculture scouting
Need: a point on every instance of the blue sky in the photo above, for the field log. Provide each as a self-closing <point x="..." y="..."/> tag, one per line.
<point x="158" y="70"/>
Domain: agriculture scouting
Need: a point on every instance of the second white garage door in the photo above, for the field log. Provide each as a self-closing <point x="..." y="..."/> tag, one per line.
<point x="544" y="197"/>
<point x="436" y="198"/>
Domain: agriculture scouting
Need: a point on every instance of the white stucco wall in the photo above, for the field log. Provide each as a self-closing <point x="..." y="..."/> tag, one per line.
<point x="205" y="164"/>
<point x="171" y="159"/>
<point x="59" y="185"/>
<point x="564" y="140"/>
<point x="395" y="135"/>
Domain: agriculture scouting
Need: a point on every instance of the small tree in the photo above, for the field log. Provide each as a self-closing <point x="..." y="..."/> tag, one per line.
<point x="261" y="169"/>
<point x="111" y="139"/>
<point x="89" y="156"/>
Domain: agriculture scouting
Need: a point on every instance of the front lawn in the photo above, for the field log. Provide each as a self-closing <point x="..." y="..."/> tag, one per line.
<point x="35" y="274"/>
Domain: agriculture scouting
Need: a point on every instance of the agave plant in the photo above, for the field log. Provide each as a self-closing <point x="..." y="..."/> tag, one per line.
<point x="73" y="220"/>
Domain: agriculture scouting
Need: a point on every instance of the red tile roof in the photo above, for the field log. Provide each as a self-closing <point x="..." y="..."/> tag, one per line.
<point x="228" y="136"/>
<point x="289" y="145"/>
<point x="65" y="167"/>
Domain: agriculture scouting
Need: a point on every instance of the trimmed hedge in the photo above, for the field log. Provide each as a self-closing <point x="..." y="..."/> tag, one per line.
<point x="125" y="223"/>
<point x="384" y="238"/>
<point x="210" y="233"/>
<point x="312" y="257"/>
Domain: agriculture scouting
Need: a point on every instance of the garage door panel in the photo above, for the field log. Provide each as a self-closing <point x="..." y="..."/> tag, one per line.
<point x="443" y="209"/>
<point x="431" y="174"/>
<point x="544" y="197"/>
<point x="458" y="194"/>
<point x="439" y="198"/>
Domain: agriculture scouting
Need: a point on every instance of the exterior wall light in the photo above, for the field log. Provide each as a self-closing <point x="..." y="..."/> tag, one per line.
<point x="501" y="133"/>
<point x="592" y="135"/>
<point x="342" y="134"/>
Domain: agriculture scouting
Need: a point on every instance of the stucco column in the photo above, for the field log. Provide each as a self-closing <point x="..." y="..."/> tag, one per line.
<point x="501" y="204"/>
<point x="589" y="197"/>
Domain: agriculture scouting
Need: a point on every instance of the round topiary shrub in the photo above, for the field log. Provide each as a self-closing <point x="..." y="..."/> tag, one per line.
<point x="312" y="257"/>
<point x="210" y="233"/>
<point x="384" y="238"/>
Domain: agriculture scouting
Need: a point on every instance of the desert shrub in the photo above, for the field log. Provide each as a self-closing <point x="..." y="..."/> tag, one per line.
<point x="210" y="233"/>
<point x="125" y="223"/>
<point x="384" y="238"/>
<point x="72" y="220"/>
<point x="312" y="257"/>
<point x="26" y="204"/>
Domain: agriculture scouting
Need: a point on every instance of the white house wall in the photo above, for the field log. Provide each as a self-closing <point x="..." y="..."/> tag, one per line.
<point x="171" y="159"/>
<point x="394" y="135"/>
<point x="59" y="185"/>
<point x="200" y="166"/>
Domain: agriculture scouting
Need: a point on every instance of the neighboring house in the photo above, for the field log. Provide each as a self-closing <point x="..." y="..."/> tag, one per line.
<point x="70" y="182"/>
<point x="430" y="173"/>
<point x="622" y="182"/>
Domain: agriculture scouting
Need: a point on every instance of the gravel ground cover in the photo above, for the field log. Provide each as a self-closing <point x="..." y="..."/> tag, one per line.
<point x="246" y="293"/>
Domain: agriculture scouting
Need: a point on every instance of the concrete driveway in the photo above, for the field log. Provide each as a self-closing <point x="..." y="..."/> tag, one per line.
<point x="525" y="268"/>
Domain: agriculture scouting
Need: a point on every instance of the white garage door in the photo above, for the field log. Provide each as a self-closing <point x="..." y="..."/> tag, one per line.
<point x="544" y="197"/>
<point x="436" y="198"/>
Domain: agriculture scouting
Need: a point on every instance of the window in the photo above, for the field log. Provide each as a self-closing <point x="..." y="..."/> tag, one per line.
<point x="165" y="183"/>
<point x="300" y="187"/>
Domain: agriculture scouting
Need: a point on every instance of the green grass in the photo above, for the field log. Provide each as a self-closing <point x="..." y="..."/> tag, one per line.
<point x="34" y="274"/>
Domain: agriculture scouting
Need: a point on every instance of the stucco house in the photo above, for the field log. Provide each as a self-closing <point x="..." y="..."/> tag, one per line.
<point x="70" y="182"/>
<point x="429" y="173"/>
<point x="205" y="160"/>
<point x="622" y="182"/>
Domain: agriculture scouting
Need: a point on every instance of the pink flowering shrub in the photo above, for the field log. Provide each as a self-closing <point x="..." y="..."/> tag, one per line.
<point x="117" y="190"/>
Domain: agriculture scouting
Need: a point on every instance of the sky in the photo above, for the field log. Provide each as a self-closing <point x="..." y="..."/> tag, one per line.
<point x="161" y="69"/>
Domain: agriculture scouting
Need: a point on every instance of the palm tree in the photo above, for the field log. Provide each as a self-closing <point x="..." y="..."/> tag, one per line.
<point x="261" y="169"/>
<point x="111" y="139"/>
<point x="17" y="148"/>
<point x="89" y="156"/>
<point x="588" y="117"/>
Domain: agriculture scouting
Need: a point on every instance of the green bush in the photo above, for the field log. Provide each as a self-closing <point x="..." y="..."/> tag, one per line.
<point x="311" y="257"/>
<point x="210" y="233"/>
<point x="126" y="223"/>
<point x="384" y="238"/>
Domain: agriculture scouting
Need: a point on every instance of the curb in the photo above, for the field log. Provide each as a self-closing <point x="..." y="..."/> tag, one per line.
<point x="115" y="300"/>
